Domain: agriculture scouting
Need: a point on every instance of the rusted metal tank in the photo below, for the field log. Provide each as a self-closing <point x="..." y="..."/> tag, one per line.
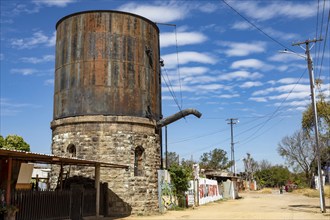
<point x="107" y="63"/>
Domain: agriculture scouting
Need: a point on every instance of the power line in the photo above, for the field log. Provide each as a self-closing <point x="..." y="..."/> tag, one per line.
<point x="178" y="63"/>
<point x="256" y="27"/>
<point x="177" y="56"/>
<point x="324" y="45"/>
<point x="273" y="115"/>
<point x="318" y="46"/>
<point x="169" y="86"/>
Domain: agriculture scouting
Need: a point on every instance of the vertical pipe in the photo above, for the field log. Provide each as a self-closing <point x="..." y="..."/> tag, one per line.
<point x="61" y="176"/>
<point x="10" y="167"/>
<point x="97" y="187"/>
<point x="160" y="105"/>
<point x="166" y="153"/>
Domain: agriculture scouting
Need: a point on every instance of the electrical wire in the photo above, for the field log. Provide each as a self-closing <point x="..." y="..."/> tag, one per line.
<point x="317" y="26"/>
<point x="170" y="88"/>
<point x="324" y="45"/>
<point x="273" y="115"/>
<point x="318" y="48"/>
<point x="178" y="63"/>
<point x="256" y="27"/>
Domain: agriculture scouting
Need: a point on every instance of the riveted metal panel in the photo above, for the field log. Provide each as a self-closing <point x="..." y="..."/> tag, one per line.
<point x="107" y="63"/>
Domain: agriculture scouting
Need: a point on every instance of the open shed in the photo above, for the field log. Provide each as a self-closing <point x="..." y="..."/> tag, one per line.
<point x="8" y="156"/>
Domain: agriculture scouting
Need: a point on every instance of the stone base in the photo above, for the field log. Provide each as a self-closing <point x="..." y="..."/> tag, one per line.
<point x="113" y="139"/>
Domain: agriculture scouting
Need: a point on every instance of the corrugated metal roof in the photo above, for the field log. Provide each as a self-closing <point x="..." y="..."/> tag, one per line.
<point x="53" y="159"/>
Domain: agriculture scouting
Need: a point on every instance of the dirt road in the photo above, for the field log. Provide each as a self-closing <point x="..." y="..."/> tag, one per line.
<point x="252" y="206"/>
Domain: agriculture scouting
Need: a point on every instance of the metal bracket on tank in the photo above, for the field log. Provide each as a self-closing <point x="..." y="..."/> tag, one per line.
<point x="149" y="54"/>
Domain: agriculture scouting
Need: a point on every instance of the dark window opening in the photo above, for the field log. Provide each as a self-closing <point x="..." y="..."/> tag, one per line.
<point x="138" y="161"/>
<point x="71" y="150"/>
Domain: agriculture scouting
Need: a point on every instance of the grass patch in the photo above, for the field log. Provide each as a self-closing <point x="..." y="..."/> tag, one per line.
<point x="313" y="192"/>
<point x="265" y="191"/>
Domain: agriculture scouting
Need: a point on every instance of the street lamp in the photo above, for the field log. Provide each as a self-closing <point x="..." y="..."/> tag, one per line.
<point x="312" y="87"/>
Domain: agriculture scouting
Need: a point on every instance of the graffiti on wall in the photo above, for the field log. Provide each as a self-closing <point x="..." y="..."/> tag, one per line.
<point x="165" y="190"/>
<point x="206" y="190"/>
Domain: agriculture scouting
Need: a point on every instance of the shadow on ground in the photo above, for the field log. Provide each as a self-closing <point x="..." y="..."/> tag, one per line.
<point x="308" y="208"/>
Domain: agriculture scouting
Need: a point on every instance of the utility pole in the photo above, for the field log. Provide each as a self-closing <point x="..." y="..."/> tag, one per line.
<point x="232" y="121"/>
<point x="166" y="153"/>
<point x="316" y="130"/>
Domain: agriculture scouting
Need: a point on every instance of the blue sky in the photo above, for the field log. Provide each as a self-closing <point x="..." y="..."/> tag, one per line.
<point x="223" y="63"/>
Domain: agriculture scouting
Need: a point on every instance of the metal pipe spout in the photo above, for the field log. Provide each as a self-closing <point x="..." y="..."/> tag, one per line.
<point x="181" y="114"/>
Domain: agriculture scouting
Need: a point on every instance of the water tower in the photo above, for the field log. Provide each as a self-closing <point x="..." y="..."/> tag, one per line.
<point x="107" y="103"/>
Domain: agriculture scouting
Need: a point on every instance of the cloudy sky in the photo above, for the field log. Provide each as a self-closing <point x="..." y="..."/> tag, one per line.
<point x="221" y="57"/>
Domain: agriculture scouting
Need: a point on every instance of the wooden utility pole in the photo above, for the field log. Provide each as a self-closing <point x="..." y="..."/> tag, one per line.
<point x="316" y="129"/>
<point x="232" y="121"/>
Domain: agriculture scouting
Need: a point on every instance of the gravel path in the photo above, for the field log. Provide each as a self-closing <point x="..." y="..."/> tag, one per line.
<point x="252" y="205"/>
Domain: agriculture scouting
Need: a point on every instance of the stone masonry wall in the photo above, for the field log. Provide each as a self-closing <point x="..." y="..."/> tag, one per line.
<point x="113" y="139"/>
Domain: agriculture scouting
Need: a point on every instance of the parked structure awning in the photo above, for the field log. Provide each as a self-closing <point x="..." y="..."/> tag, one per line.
<point x="52" y="159"/>
<point x="59" y="160"/>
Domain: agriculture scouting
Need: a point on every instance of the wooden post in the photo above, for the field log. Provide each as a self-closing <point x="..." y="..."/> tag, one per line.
<point x="10" y="167"/>
<point x="97" y="187"/>
<point x="61" y="176"/>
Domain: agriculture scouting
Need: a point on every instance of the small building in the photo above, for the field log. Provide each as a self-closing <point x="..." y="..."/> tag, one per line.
<point x="228" y="183"/>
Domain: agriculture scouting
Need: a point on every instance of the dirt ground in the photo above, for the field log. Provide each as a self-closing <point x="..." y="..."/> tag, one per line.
<point x="251" y="205"/>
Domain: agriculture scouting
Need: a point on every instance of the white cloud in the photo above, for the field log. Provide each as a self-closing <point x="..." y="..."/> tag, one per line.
<point x="280" y="34"/>
<point x="285" y="57"/>
<point x="243" y="49"/>
<point x="242" y="25"/>
<point x="249" y="63"/>
<point x="167" y="97"/>
<point x="209" y="87"/>
<point x="58" y="3"/>
<point x="193" y="71"/>
<point x="258" y="99"/>
<point x="158" y="13"/>
<point x="291" y="96"/>
<point x="9" y="108"/>
<point x="24" y="71"/>
<point x="6" y="21"/>
<point x="183" y="38"/>
<point x="170" y="60"/>
<point x="208" y="7"/>
<point x="294" y="88"/>
<point x="199" y="79"/>
<point x="289" y="10"/>
<point x="49" y="82"/>
<point x="282" y="68"/>
<point x="250" y="84"/>
<point x="35" y="60"/>
<point x="301" y="103"/>
<point x="228" y="96"/>
<point x="240" y="75"/>
<point x="292" y="80"/>
<point x="38" y="38"/>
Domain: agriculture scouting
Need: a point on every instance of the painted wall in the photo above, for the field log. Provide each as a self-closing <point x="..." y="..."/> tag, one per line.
<point x="208" y="190"/>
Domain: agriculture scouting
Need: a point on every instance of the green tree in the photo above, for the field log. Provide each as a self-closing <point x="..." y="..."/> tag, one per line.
<point x="274" y="176"/>
<point x="180" y="177"/>
<point x="2" y="141"/>
<point x="298" y="151"/>
<point x="323" y="114"/>
<point x="215" y="160"/>
<point x="15" y="142"/>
